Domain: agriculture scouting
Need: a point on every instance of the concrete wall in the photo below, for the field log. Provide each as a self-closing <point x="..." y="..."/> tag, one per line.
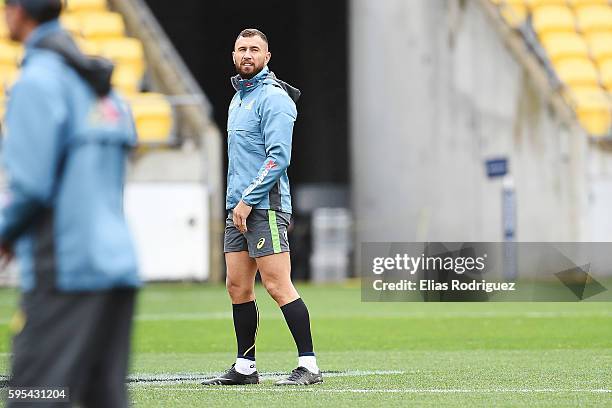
<point x="434" y="93"/>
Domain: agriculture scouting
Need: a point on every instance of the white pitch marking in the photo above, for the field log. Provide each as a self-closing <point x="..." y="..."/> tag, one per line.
<point x="383" y="315"/>
<point x="315" y="389"/>
<point x="143" y="379"/>
<point x="153" y="317"/>
<point x="161" y="380"/>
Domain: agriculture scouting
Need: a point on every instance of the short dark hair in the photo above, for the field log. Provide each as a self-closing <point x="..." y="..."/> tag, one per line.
<point x="252" y="32"/>
<point x="39" y="10"/>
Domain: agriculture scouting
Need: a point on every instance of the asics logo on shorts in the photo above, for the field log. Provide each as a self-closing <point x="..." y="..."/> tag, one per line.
<point x="261" y="243"/>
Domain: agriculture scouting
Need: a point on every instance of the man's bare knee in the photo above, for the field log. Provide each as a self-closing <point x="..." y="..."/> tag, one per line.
<point x="281" y="292"/>
<point x="273" y="287"/>
<point x="276" y="276"/>
<point x="239" y="292"/>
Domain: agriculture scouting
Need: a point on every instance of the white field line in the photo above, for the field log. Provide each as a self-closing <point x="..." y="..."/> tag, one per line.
<point x="140" y="379"/>
<point x="382" y="315"/>
<point x="162" y="381"/>
<point x="153" y="317"/>
<point x="315" y="389"/>
<point x="166" y="378"/>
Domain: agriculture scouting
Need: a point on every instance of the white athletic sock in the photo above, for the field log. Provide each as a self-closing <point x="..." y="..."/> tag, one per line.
<point x="309" y="362"/>
<point x="245" y="366"/>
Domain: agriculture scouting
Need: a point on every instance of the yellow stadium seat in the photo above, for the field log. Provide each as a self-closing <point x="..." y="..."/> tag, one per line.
<point x="514" y="13"/>
<point x="153" y="117"/>
<point x="126" y="78"/>
<point x="570" y="91"/>
<point x="594" y="111"/>
<point x="3" y="28"/>
<point x="88" y="47"/>
<point x="581" y="3"/>
<point x="71" y="23"/>
<point x="532" y="4"/>
<point x="577" y="72"/>
<point x="548" y="19"/>
<point x="102" y="25"/>
<point x="600" y="45"/>
<point x="565" y="45"/>
<point x="605" y="71"/>
<point x="594" y="18"/>
<point x="124" y="51"/>
<point x="86" y="5"/>
<point x="10" y="53"/>
<point x="8" y="76"/>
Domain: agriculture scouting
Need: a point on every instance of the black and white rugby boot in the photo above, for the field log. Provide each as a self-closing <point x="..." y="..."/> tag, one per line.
<point x="301" y="376"/>
<point x="233" y="377"/>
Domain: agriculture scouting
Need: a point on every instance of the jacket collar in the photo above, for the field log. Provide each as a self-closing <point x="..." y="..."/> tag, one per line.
<point x="36" y="36"/>
<point x="246" y="85"/>
<point x="42" y="31"/>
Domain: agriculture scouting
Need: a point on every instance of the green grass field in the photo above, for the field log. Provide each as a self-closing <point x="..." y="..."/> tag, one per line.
<point x="377" y="354"/>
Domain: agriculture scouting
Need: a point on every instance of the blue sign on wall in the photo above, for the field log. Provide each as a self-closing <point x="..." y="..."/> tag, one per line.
<point x="497" y="167"/>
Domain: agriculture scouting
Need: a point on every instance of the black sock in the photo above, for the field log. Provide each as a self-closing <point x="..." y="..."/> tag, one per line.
<point x="246" y="320"/>
<point x="296" y="315"/>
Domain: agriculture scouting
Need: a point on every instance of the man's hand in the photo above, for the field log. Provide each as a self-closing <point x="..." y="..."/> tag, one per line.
<point x="240" y="215"/>
<point x="6" y="256"/>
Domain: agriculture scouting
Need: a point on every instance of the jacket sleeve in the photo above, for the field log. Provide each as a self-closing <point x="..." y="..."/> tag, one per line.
<point x="278" y="114"/>
<point x="31" y="153"/>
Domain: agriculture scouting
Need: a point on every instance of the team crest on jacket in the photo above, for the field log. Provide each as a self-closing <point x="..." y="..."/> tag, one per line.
<point x="104" y="112"/>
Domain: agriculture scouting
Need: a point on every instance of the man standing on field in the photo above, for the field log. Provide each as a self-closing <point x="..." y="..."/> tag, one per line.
<point x="65" y="148"/>
<point x="260" y="128"/>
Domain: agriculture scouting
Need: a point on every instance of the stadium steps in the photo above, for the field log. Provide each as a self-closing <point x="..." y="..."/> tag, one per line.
<point x="574" y="43"/>
<point x="100" y="31"/>
<point x="172" y="115"/>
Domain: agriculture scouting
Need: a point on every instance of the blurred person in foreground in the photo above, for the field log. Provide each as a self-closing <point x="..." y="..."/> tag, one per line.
<point x="260" y="129"/>
<point x="65" y="144"/>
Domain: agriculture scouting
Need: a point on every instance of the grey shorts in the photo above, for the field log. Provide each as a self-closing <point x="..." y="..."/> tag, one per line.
<point x="266" y="233"/>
